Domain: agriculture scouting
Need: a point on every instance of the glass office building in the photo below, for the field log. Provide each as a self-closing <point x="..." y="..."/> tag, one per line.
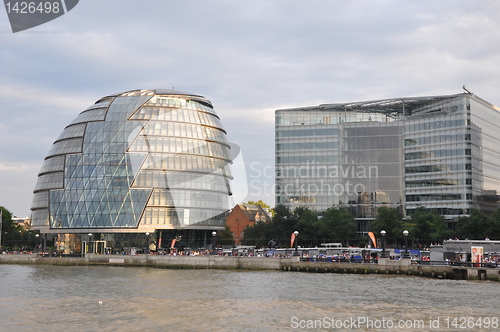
<point x="153" y="164"/>
<point x="440" y="152"/>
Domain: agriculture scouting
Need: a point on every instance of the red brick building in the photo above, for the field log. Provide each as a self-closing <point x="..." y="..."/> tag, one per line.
<point x="244" y="215"/>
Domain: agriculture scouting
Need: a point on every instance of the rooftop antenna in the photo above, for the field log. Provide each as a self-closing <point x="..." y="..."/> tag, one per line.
<point x="463" y="87"/>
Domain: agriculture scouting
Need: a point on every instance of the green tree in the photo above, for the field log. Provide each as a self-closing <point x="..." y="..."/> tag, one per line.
<point x="494" y="232"/>
<point x="337" y="224"/>
<point x="389" y="219"/>
<point x="283" y="224"/>
<point x="306" y="220"/>
<point x="225" y="237"/>
<point x="7" y="223"/>
<point x="428" y="227"/>
<point x="12" y="233"/>
<point x="279" y="229"/>
<point x="257" y="234"/>
<point x="259" y="202"/>
<point x="475" y="227"/>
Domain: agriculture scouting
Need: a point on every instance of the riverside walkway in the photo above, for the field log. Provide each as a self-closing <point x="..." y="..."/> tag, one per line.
<point x="401" y="267"/>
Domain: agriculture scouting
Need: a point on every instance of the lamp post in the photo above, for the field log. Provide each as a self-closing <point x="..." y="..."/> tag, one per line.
<point x="36" y="243"/>
<point x="146" y="251"/>
<point x="382" y="234"/>
<point x="214" y="242"/>
<point x="90" y="243"/>
<point x="296" y="253"/>
<point x="405" y="233"/>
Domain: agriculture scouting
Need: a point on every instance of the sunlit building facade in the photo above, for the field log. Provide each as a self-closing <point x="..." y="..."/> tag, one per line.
<point x="440" y="152"/>
<point x="139" y="166"/>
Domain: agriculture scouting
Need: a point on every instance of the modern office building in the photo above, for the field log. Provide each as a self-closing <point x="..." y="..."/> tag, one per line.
<point x="136" y="169"/>
<point x="441" y="152"/>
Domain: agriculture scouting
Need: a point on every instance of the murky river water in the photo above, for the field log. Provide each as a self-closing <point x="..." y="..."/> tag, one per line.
<point x="95" y="298"/>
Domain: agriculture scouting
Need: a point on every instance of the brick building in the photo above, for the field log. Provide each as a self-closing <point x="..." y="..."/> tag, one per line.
<point x="244" y="215"/>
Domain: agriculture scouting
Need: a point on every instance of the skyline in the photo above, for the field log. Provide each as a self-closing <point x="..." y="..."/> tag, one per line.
<point x="247" y="59"/>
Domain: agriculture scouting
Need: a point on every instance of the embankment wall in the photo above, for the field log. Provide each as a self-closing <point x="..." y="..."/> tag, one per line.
<point x="259" y="263"/>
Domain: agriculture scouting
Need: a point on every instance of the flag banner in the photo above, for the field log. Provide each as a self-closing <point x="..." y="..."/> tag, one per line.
<point x="374" y="240"/>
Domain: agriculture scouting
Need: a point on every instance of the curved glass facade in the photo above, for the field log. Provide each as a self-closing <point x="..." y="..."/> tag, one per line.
<point x="137" y="161"/>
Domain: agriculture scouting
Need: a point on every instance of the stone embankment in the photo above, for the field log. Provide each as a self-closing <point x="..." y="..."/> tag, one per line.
<point x="261" y="263"/>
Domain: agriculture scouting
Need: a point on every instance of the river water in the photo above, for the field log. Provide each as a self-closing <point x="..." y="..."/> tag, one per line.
<point x="102" y="298"/>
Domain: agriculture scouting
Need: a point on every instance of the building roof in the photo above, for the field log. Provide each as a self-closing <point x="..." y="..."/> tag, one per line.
<point x="392" y="106"/>
<point x="251" y="211"/>
<point x="145" y="92"/>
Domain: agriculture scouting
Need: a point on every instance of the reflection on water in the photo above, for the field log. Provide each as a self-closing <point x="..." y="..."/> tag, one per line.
<point x="96" y="298"/>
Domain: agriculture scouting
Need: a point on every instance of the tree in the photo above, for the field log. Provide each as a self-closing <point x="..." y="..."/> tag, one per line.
<point x="389" y="219"/>
<point x="475" y="227"/>
<point x="306" y="219"/>
<point x="256" y="234"/>
<point x="259" y="202"/>
<point x="7" y="223"/>
<point x="494" y="232"/>
<point x="225" y="237"/>
<point x="336" y="225"/>
<point x="279" y="229"/>
<point x="283" y="224"/>
<point x="12" y="233"/>
<point x="428" y="227"/>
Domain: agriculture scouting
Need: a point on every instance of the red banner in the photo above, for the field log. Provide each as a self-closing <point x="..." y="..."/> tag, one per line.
<point x="292" y="240"/>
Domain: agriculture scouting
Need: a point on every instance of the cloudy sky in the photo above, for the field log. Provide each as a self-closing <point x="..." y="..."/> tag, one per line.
<point x="248" y="57"/>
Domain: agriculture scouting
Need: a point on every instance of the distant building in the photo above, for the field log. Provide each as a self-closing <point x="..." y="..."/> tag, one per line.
<point x="245" y="215"/>
<point x="25" y="223"/>
<point x="441" y="152"/>
<point x="454" y="249"/>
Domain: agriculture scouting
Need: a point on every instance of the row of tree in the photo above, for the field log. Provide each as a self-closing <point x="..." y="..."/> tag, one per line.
<point x="337" y="225"/>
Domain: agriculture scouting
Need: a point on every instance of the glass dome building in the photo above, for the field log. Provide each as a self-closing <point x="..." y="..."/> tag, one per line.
<point x="143" y="165"/>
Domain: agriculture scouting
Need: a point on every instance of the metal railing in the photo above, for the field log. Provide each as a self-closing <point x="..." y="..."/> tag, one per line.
<point x="489" y="265"/>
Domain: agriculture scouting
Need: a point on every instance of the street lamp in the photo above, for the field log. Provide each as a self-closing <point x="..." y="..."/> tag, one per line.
<point x="214" y="242"/>
<point x="382" y="234"/>
<point x="405" y="233"/>
<point x="147" y="243"/>
<point x="296" y="253"/>
<point x="36" y="242"/>
<point x="90" y="242"/>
